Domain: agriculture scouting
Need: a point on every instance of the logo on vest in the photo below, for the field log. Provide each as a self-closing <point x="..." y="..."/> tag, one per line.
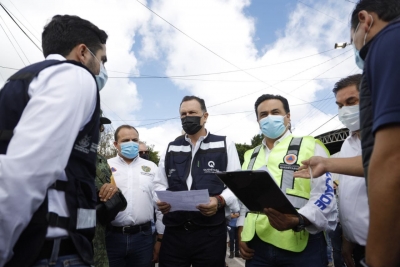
<point x="290" y="159"/>
<point x="211" y="164"/>
<point x="83" y="145"/>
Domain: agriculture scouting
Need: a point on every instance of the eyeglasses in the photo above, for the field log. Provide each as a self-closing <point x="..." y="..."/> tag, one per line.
<point x="143" y="152"/>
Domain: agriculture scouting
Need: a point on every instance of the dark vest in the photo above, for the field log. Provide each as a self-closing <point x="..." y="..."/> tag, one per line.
<point x="80" y="192"/>
<point x="210" y="158"/>
<point x="366" y="107"/>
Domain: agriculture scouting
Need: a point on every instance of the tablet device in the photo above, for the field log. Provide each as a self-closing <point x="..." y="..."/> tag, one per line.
<point x="257" y="190"/>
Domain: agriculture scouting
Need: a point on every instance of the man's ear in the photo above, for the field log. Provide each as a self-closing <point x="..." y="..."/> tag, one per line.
<point x="205" y="116"/>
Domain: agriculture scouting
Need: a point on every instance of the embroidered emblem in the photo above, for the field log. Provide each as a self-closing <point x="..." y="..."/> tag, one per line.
<point x="113" y="169"/>
<point x="290" y="159"/>
<point x="146" y="169"/>
<point x="211" y="164"/>
<point x="83" y="144"/>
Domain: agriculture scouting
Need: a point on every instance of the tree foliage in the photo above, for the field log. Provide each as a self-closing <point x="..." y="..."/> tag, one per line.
<point x="242" y="148"/>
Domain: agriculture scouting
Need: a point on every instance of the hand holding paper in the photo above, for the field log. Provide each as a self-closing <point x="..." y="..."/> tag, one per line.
<point x="182" y="200"/>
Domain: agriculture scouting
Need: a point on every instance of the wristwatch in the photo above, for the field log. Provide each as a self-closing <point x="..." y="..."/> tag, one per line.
<point x="219" y="205"/>
<point x="301" y="226"/>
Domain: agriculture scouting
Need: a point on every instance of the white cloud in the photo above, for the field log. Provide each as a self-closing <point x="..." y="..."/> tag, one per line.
<point x="222" y="27"/>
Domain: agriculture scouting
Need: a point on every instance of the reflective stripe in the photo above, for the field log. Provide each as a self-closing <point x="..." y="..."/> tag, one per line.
<point x="253" y="157"/>
<point x="211" y="145"/>
<point x="179" y="148"/>
<point x="86" y="218"/>
<point x="288" y="179"/>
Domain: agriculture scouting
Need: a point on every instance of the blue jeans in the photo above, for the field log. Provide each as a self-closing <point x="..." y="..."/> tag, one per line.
<point x="63" y="261"/>
<point x="267" y="255"/>
<point x="233" y="239"/>
<point x="130" y="249"/>
<point x="336" y="241"/>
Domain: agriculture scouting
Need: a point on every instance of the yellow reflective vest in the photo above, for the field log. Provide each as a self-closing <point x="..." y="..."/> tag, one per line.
<point x="283" y="160"/>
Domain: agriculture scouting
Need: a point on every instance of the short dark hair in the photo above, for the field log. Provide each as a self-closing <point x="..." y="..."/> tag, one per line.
<point x="198" y="99"/>
<point x="387" y="10"/>
<point x="268" y="97"/>
<point x="65" y="32"/>
<point x="348" y="81"/>
<point x="126" y="126"/>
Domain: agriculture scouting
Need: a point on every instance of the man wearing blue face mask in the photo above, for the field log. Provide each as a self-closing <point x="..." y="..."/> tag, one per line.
<point x="375" y="30"/>
<point x="49" y="132"/>
<point x="129" y="238"/>
<point x="273" y="238"/>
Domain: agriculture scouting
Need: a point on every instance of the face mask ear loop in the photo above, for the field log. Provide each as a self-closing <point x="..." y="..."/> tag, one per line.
<point x="311" y="176"/>
<point x="369" y="28"/>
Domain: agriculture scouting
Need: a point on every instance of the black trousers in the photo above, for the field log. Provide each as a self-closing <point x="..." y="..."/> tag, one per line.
<point x="194" y="247"/>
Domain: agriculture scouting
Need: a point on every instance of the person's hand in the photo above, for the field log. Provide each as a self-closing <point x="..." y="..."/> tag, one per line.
<point x="107" y="191"/>
<point x="164" y="207"/>
<point x="280" y="221"/>
<point x="317" y="165"/>
<point x="245" y="252"/>
<point x="156" y="250"/>
<point x="209" y="209"/>
<point x="347" y="252"/>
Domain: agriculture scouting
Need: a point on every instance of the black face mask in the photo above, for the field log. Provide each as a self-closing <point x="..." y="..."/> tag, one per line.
<point x="144" y="156"/>
<point x="191" y="124"/>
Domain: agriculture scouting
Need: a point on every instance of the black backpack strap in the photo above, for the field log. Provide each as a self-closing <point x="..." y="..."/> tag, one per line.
<point x="54" y="220"/>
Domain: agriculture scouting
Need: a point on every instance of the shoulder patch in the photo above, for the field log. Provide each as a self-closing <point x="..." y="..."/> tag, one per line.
<point x="113" y="169"/>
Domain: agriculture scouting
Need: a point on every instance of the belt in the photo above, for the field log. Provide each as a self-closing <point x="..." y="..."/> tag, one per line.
<point x="131" y="229"/>
<point x="67" y="247"/>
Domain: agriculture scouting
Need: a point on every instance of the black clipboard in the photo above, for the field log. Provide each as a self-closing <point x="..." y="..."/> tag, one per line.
<point x="257" y="190"/>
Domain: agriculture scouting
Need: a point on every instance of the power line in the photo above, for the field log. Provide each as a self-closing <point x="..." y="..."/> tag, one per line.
<point x="11" y="41"/>
<point x="216" y="73"/>
<point x="6" y="10"/>
<point x="7" y="67"/>
<point x="324" y="124"/>
<point x="215" y="53"/>
<point x="321" y="12"/>
<point x="33" y="28"/>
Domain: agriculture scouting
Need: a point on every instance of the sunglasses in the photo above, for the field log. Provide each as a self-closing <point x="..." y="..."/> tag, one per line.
<point x="143" y="152"/>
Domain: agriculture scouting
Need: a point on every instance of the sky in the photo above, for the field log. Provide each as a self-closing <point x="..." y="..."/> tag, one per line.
<point x="228" y="52"/>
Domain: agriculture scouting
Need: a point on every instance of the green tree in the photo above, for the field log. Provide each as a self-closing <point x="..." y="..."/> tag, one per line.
<point x="242" y="148"/>
<point x="153" y="155"/>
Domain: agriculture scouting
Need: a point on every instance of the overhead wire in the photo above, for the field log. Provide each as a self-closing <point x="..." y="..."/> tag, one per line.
<point x="244" y="71"/>
<point x="214" y="73"/>
<point x="8" y="13"/>
<point x="323" y="124"/>
<point x="321" y="12"/>
<point x="23" y="62"/>
<point x="33" y="28"/>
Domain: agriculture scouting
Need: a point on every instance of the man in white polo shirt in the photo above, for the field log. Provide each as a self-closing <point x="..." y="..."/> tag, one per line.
<point x="129" y="238"/>
<point x="353" y="199"/>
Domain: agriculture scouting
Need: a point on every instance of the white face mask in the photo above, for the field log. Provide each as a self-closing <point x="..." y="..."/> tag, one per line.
<point x="350" y="117"/>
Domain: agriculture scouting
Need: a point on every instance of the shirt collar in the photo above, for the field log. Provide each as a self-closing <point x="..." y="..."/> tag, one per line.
<point x="122" y="159"/>
<point x="277" y="141"/>
<point x="55" y="56"/>
<point x="201" y="138"/>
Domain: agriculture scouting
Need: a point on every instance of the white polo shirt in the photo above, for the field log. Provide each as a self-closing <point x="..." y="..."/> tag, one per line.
<point x="353" y="199"/>
<point x="135" y="180"/>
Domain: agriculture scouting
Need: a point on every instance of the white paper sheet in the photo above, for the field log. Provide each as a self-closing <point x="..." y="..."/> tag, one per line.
<point x="184" y="200"/>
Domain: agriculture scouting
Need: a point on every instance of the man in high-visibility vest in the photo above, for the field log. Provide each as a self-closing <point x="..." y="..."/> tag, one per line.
<point x="272" y="238"/>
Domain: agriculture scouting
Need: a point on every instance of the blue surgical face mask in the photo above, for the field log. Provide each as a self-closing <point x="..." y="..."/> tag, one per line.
<point x="359" y="60"/>
<point x="273" y="126"/>
<point x="129" y="150"/>
<point x="102" y="77"/>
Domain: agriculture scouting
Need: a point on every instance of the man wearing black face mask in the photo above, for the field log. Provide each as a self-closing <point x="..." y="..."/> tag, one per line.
<point x="196" y="238"/>
<point x="143" y="150"/>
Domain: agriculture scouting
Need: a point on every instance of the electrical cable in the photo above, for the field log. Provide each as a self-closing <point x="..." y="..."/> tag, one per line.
<point x="6" y="10"/>
<point x="11" y="42"/>
<point x="321" y="12"/>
